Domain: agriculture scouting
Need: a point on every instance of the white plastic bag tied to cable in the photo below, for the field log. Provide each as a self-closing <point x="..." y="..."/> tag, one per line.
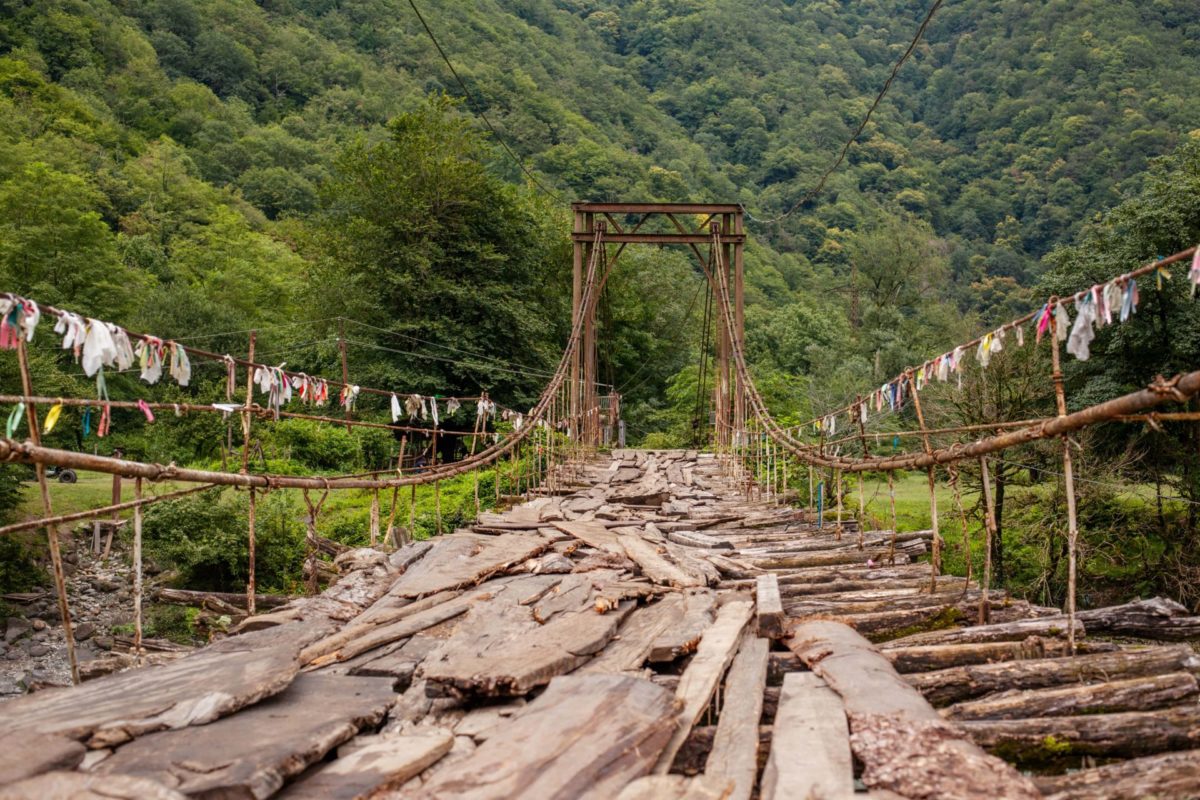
<point x="1062" y="322"/>
<point x="452" y="405"/>
<point x="415" y="404"/>
<point x="124" y="358"/>
<point x="181" y="366"/>
<point x="99" y="349"/>
<point x="73" y="330"/>
<point x="433" y="410"/>
<point x="397" y="412"/>
<point x="150" y="356"/>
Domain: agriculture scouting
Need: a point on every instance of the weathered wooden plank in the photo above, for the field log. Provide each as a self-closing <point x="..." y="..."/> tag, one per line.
<point x="192" y="690"/>
<point x="682" y="638"/>
<point x="252" y="753"/>
<point x="401" y="629"/>
<point x="1174" y="775"/>
<point x="1156" y="618"/>
<point x="702" y="675"/>
<point x="810" y="750"/>
<point x="735" y="749"/>
<point x="658" y="564"/>
<point x="956" y="684"/>
<point x="630" y="647"/>
<point x="1130" y="733"/>
<point x="83" y="786"/>
<point x="903" y="743"/>
<point x="23" y="755"/>
<point x="586" y="736"/>
<point x="769" y="606"/>
<point x="464" y="560"/>
<point x="1133" y="694"/>
<point x="678" y="787"/>
<point x="382" y="764"/>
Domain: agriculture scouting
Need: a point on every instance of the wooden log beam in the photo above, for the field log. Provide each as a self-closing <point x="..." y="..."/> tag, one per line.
<point x="1155" y="691"/>
<point x="924" y="658"/>
<point x="953" y="685"/>
<point x="1156" y="618"/>
<point x="902" y="742"/>
<point x="189" y="597"/>
<point x="1131" y="733"/>
<point x="1055" y="627"/>
<point x="1166" y="775"/>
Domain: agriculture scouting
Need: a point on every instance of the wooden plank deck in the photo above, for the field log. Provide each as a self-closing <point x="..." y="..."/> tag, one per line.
<point x="652" y="634"/>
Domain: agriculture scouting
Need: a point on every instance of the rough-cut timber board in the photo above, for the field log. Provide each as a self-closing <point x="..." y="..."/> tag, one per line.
<point x="903" y="743"/>
<point x="82" y="786"/>
<point x="385" y="763"/>
<point x="704" y="672"/>
<point x="953" y="685"/>
<point x="465" y="559"/>
<point x="1132" y="694"/>
<point x="23" y="755"/>
<point x="394" y="632"/>
<point x="682" y="638"/>
<point x="810" y="749"/>
<point x="193" y="690"/>
<point x="678" y="787"/>
<point x="770" y="607"/>
<point x="734" y="753"/>
<point x="628" y="649"/>
<point x="252" y="753"/>
<point x="1170" y="775"/>
<point x="586" y="736"/>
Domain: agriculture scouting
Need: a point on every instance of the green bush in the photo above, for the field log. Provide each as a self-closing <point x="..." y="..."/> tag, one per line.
<point x="204" y="538"/>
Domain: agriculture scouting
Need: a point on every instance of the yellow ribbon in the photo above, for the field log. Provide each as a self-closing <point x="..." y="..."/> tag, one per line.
<point x="52" y="418"/>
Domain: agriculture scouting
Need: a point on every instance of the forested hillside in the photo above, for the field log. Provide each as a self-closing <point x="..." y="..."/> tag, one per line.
<point x="198" y="168"/>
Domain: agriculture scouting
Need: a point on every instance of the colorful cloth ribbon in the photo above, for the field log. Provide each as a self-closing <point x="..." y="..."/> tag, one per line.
<point x="52" y="418"/>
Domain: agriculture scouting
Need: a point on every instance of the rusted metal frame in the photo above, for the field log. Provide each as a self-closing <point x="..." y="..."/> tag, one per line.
<point x="989" y="524"/>
<point x="60" y="580"/>
<point x="1060" y="400"/>
<point x="96" y="513"/>
<point x="931" y="472"/>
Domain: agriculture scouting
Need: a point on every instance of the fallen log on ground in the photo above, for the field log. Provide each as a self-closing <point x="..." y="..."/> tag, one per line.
<point x="193" y="598"/>
<point x="902" y="742"/>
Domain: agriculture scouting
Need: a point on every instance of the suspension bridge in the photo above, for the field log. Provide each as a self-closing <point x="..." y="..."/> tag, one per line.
<point x="639" y="624"/>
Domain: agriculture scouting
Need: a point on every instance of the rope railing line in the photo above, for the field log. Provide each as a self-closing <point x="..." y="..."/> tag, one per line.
<point x="904" y="374"/>
<point x="1177" y="389"/>
<point x="256" y="409"/>
<point x="212" y="356"/>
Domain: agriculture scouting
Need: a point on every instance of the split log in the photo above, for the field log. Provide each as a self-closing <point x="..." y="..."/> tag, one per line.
<point x="810" y="749"/>
<point x="629" y="649"/>
<point x="703" y="674"/>
<point x="252" y="754"/>
<point x="1156" y="691"/>
<point x="193" y="690"/>
<point x="769" y="607"/>
<point x="586" y="736"/>
<point x="1001" y="632"/>
<point x="83" y="786"/>
<point x="1156" y="618"/>
<point x="682" y="637"/>
<point x="378" y="766"/>
<point x="1131" y="733"/>
<point x="956" y="684"/>
<point x="829" y="558"/>
<point x="678" y="787"/>
<point x="735" y="749"/>
<point x="191" y="598"/>
<point x="466" y="560"/>
<point x="1167" y="775"/>
<point x="902" y="742"/>
<point x="923" y="658"/>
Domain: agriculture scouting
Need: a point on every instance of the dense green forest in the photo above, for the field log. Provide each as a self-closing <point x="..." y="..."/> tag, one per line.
<point x="198" y="168"/>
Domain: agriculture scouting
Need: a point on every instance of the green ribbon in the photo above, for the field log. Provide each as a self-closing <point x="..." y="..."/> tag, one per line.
<point x="14" y="420"/>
